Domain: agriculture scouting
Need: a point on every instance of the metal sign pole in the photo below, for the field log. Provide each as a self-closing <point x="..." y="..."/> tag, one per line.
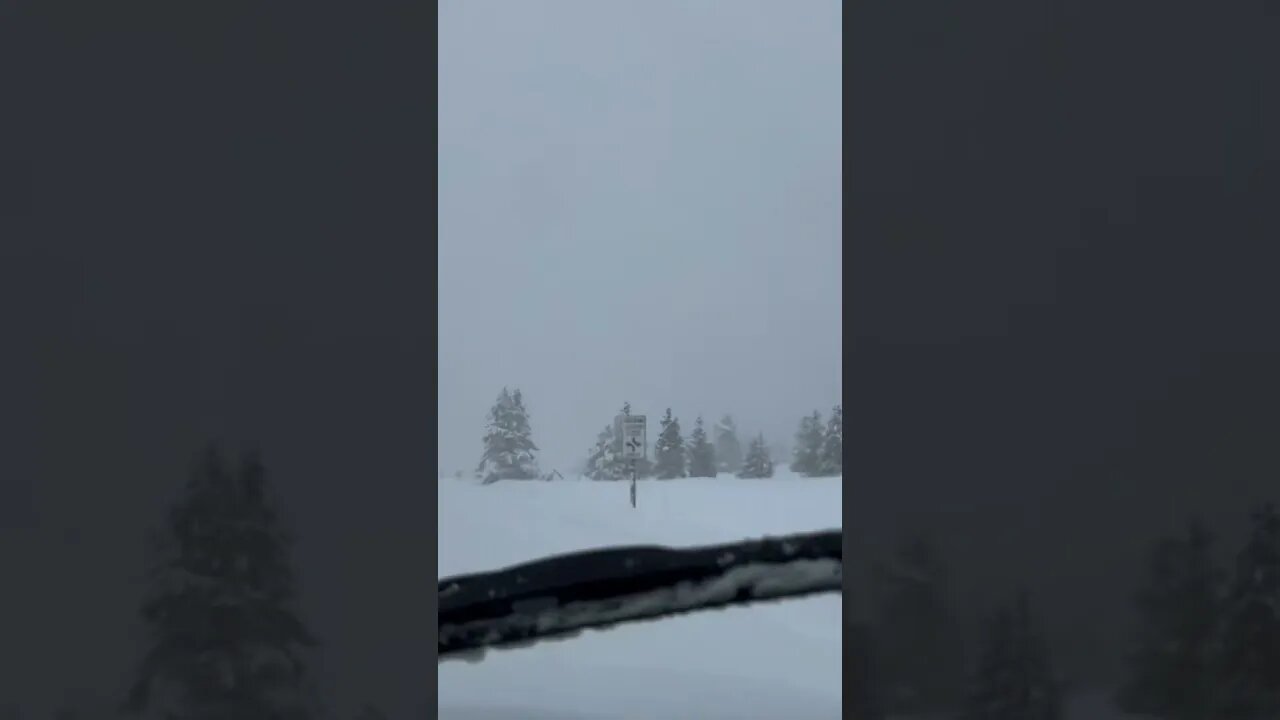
<point x="634" y="444"/>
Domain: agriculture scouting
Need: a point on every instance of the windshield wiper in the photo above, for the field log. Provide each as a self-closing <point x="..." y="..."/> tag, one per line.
<point x="560" y="596"/>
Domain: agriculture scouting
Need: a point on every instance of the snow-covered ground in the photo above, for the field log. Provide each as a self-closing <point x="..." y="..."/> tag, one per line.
<point x="773" y="660"/>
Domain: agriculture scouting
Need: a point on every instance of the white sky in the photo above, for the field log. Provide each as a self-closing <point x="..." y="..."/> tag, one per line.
<point x="637" y="201"/>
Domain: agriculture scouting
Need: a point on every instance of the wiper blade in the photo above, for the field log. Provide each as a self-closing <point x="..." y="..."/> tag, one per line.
<point x="562" y="595"/>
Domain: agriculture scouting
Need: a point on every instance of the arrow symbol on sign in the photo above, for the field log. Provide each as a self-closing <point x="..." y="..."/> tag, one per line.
<point x="634" y="443"/>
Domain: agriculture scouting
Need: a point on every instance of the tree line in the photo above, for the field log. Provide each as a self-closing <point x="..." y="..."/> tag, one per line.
<point x="510" y="453"/>
<point x="1206" y="644"/>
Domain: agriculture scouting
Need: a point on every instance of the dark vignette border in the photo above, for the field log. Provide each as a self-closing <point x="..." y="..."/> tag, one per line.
<point x="121" y="125"/>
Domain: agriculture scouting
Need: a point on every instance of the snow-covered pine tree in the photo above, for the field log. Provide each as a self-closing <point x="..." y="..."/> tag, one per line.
<point x="669" y="451"/>
<point x="702" y="455"/>
<point x="227" y="639"/>
<point x="831" y="459"/>
<point x="1014" y="678"/>
<point x="757" y="463"/>
<point x="1250" y="659"/>
<point x="728" y="449"/>
<point x="1171" y="672"/>
<point x="601" y="463"/>
<point x="508" y="442"/>
<point x="808" y="449"/>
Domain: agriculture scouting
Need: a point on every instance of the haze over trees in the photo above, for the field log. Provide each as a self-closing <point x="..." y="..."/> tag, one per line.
<point x="226" y="637"/>
<point x="919" y="649"/>
<point x="602" y="461"/>
<point x="831" y="457"/>
<point x="702" y="454"/>
<point x="806" y="454"/>
<point x="1250" y="645"/>
<point x="1014" y="679"/>
<point x="1171" y="667"/>
<point x="669" y="452"/>
<point x="757" y="463"/>
<point x="817" y="453"/>
<point x="728" y="449"/>
<point x="819" y="446"/>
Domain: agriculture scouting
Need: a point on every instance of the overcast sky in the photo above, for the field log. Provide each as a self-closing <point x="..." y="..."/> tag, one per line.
<point x="638" y="201"/>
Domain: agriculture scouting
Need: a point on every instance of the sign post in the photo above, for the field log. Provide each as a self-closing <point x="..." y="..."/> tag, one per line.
<point x="634" y="445"/>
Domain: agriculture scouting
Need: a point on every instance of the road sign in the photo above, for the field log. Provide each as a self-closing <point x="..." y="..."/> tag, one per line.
<point x="634" y="442"/>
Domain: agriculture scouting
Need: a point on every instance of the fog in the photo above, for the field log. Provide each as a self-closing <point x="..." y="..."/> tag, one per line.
<point x="1061" y="295"/>
<point x="212" y="235"/>
<point x="637" y="202"/>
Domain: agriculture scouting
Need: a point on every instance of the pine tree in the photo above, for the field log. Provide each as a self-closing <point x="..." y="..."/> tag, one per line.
<point x="728" y="449"/>
<point x="831" y="459"/>
<point x="1014" y="678"/>
<point x="809" y="440"/>
<point x="508" y="443"/>
<point x="1251" y="639"/>
<point x="702" y="455"/>
<point x="602" y="462"/>
<point x="757" y="463"/>
<point x="919" y="659"/>
<point x="1171" y="672"/>
<point x="222" y="610"/>
<point x="669" y="451"/>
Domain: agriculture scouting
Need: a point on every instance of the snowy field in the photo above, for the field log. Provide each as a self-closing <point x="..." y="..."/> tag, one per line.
<point x="772" y="660"/>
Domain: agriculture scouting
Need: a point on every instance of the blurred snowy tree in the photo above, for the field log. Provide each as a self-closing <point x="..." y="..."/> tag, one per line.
<point x="920" y="658"/>
<point x="669" y="451"/>
<point x="831" y="458"/>
<point x="805" y="458"/>
<point x="1250" y="661"/>
<point x="1172" y="670"/>
<point x="602" y="463"/>
<point x="1014" y="678"/>
<point x="508" y="443"/>
<point x="757" y="463"/>
<point x="702" y="455"/>
<point x="227" y="639"/>
<point x="728" y="449"/>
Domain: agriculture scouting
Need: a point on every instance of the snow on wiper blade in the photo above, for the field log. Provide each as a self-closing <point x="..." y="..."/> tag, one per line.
<point x="562" y="595"/>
